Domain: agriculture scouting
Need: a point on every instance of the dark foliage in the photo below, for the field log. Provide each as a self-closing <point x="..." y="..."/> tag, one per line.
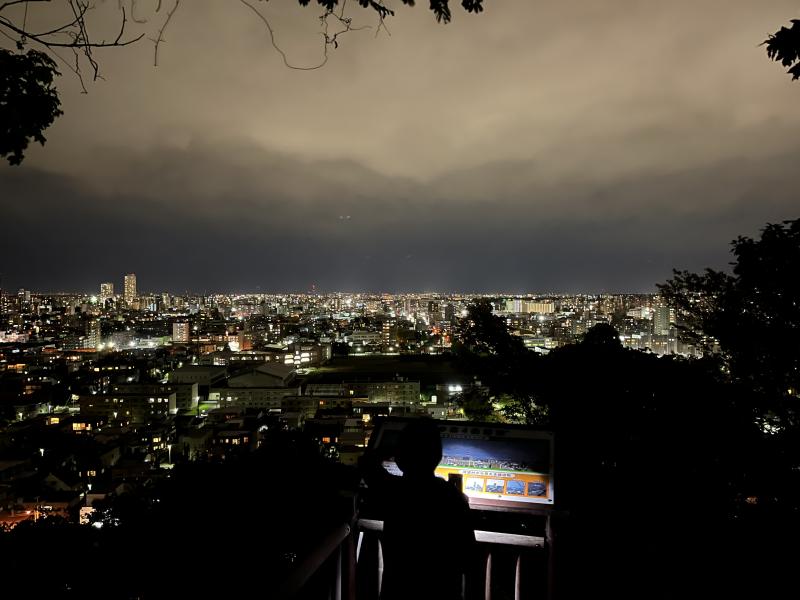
<point x="602" y="335"/>
<point x="230" y="529"/>
<point x="485" y="334"/>
<point x="477" y="405"/>
<point x="659" y="463"/>
<point x="486" y="350"/>
<point x="783" y="46"/>
<point x="28" y="101"/>
<point x="440" y="8"/>
<point x="753" y="314"/>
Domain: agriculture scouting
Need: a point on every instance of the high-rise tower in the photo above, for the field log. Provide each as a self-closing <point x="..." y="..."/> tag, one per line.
<point x="130" y="288"/>
<point x="663" y="319"/>
<point x="92" y="334"/>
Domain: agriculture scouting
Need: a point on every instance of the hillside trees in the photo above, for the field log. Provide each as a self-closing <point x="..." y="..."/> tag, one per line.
<point x="500" y="361"/>
<point x="634" y="434"/>
<point x="753" y="314"/>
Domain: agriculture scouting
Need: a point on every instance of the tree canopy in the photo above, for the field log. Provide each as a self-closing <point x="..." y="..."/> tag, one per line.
<point x="634" y="433"/>
<point x="28" y="101"/>
<point x="753" y="315"/>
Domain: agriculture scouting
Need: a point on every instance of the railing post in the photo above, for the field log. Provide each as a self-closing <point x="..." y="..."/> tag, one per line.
<point x="487" y="590"/>
<point x="358" y="545"/>
<point x="337" y="586"/>
<point x="380" y="567"/>
<point x="549" y="536"/>
<point x="349" y="568"/>
<point x="479" y="580"/>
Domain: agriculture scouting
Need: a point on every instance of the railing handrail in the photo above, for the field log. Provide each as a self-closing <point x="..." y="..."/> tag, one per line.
<point x="333" y="542"/>
<point x="488" y="537"/>
<point x="300" y="574"/>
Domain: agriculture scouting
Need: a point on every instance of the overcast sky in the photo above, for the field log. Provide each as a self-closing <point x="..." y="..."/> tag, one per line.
<point x="540" y="146"/>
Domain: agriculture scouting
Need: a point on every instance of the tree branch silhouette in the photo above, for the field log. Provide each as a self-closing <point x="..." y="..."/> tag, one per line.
<point x="783" y="46"/>
<point x="73" y="32"/>
<point x="160" y="37"/>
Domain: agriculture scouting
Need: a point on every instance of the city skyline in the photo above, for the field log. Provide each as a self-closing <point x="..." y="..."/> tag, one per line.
<point x="317" y="292"/>
<point x="512" y="168"/>
<point x="371" y="324"/>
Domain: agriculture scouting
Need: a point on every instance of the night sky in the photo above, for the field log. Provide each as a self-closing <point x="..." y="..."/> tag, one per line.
<point x="540" y="146"/>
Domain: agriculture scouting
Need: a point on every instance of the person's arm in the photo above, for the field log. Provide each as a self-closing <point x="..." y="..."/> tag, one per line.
<point x="378" y="480"/>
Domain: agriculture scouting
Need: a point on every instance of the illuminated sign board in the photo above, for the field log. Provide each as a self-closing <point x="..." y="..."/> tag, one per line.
<point x="495" y="465"/>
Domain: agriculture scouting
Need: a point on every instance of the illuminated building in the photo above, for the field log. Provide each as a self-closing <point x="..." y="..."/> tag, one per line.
<point x="106" y="292"/>
<point x="397" y="392"/>
<point x="519" y="306"/>
<point x="545" y="308"/>
<point x="306" y="355"/>
<point x="664" y="336"/>
<point x="186" y="394"/>
<point x="231" y="438"/>
<point x="258" y="398"/>
<point x="180" y="331"/>
<point x="245" y="340"/>
<point x="128" y="408"/>
<point x="514" y="305"/>
<point x="386" y="332"/>
<point x="92" y="334"/>
<point x="663" y="318"/>
<point x="130" y="288"/>
<point x="363" y="336"/>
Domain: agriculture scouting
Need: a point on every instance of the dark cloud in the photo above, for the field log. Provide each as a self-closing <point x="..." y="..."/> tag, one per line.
<point x="213" y="217"/>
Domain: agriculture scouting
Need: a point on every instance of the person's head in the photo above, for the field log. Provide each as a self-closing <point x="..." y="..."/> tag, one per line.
<point x="419" y="449"/>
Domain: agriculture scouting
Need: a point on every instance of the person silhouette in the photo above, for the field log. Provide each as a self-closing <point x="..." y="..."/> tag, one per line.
<point x="428" y="539"/>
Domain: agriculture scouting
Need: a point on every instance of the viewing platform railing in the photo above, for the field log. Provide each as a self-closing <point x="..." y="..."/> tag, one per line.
<point x="347" y="564"/>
